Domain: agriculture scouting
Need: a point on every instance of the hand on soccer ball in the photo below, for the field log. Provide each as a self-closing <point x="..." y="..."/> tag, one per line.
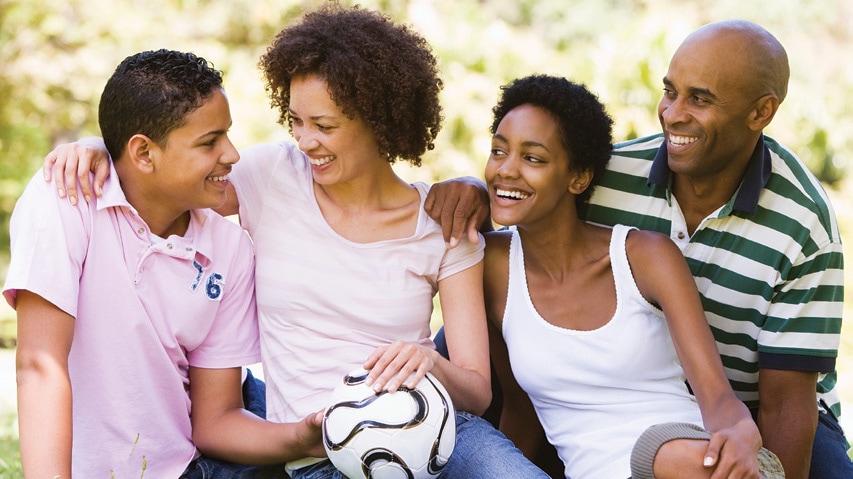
<point x="399" y="364"/>
<point x="309" y="435"/>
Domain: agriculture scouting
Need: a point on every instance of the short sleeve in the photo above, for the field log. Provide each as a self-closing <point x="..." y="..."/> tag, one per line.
<point x="233" y="338"/>
<point x="49" y="243"/>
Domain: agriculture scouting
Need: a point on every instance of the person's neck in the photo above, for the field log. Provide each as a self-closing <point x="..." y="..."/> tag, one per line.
<point x="557" y="246"/>
<point x="699" y="197"/>
<point x="380" y="190"/>
<point x="161" y="220"/>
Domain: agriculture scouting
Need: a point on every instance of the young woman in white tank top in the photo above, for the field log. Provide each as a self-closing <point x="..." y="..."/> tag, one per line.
<point x="602" y="327"/>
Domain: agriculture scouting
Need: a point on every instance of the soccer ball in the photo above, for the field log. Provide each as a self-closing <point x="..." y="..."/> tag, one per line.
<point x="407" y="434"/>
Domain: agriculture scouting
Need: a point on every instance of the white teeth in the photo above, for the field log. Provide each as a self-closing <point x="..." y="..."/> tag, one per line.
<point x="681" y="140"/>
<point x="218" y="178"/>
<point x="516" y="195"/>
<point x="321" y="161"/>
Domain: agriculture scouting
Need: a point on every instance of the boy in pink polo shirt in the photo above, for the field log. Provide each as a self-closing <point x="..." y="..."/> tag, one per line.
<point x="137" y="311"/>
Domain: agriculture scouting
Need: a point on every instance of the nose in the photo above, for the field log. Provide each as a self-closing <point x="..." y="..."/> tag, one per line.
<point x="508" y="168"/>
<point x="304" y="139"/>
<point x="671" y="110"/>
<point x="231" y="155"/>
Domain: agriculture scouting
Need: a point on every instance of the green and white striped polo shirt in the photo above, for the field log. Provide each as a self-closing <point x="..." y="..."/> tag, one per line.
<point x="768" y="264"/>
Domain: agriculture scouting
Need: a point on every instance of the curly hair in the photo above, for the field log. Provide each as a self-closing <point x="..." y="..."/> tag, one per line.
<point x="381" y="72"/>
<point x="152" y="93"/>
<point x="585" y="127"/>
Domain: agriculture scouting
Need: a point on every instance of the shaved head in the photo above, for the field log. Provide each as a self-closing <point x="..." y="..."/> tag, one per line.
<point x="757" y="57"/>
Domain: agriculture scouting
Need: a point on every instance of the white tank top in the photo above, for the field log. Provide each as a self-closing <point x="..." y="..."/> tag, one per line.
<point x="596" y="391"/>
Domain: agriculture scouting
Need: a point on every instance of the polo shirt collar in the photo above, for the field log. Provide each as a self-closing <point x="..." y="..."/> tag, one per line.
<point x="113" y="195"/>
<point x="746" y="197"/>
<point x="197" y="236"/>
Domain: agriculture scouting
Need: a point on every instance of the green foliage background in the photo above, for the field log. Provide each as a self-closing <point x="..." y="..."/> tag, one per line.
<point x="55" y="56"/>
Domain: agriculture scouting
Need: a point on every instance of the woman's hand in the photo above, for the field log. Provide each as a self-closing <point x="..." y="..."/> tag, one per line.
<point x="400" y="364"/>
<point x="733" y="451"/>
<point x="69" y="163"/>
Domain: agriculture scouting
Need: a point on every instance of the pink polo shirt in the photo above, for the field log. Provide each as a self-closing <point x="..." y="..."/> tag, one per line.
<point x="144" y="313"/>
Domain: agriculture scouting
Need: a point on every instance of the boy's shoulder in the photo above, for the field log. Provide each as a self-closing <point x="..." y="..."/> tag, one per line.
<point x="219" y="230"/>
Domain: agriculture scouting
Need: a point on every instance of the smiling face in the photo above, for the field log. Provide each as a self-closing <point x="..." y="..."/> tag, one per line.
<point x="528" y="171"/>
<point x="191" y="166"/>
<point x="707" y="104"/>
<point x="339" y="148"/>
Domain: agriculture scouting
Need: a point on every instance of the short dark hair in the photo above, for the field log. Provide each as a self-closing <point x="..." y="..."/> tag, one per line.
<point x="585" y="127"/>
<point x="151" y="93"/>
<point x="383" y="72"/>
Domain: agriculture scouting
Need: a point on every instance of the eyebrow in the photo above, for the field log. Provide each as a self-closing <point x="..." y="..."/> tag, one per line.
<point x="216" y="132"/>
<point x="524" y="143"/>
<point x="312" y="118"/>
<point x="693" y="90"/>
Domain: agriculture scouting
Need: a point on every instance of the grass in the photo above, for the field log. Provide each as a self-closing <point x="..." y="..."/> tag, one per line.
<point x="10" y="459"/>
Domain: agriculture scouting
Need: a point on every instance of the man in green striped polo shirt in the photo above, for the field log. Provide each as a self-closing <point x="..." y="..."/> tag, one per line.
<point x="757" y="229"/>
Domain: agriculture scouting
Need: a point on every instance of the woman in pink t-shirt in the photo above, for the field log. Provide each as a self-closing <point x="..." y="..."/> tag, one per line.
<point x="347" y="261"/>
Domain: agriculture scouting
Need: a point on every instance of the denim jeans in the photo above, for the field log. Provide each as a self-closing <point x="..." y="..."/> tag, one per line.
<point x="208" y="468"/>
<point x="481" y="452"/>
<point x="829" y="454"/>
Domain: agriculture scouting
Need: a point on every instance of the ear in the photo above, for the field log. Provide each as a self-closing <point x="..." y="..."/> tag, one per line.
<point x="580" y="181"/>
<point x="139" y="150"/>
<point x="763" y="112"/>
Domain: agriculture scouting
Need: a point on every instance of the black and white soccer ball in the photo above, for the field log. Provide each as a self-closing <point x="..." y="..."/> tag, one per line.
<point x="407" y="434"/>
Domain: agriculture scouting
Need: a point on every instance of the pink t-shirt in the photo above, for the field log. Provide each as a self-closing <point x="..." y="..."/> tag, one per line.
<point x="324" y="302"/>
<point x="144" y="313"/>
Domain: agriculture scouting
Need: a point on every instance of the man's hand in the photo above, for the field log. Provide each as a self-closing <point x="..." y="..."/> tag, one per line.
<point x="460" y="206"/>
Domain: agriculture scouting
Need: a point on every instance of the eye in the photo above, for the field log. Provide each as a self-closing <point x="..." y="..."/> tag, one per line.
<point x="699" y="100"/>
<point x="533" y="159"/>
<point x="497" y="152"/>
<point x="295" y="121"/>
<point x="324" y="128"/>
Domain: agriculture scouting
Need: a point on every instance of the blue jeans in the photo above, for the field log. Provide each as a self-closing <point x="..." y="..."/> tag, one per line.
<point x="254" y="400"/>
<point x="829" y="453"/>
<point x="481" y="452"/>
<point x="208" y="468"/>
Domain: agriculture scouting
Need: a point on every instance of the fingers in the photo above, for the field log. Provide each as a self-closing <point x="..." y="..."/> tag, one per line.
<point x="461" y="206"/>
<point x="713" y="452"/>
<point x="71" y="162"/>
<point x="101" y="172"/>
<point x="438" y="213"/>
<point x="60" y="166"/>
<point x="309" y="435"/>
<point x="58" y="175"/>
<point x="401" y="364"/>
<point x="85" y="184"/>
<point x="457" y="217"/>
<point x="47" y="167"/>
<point x="317" y="419"/>
<point x="727" y="460"/>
